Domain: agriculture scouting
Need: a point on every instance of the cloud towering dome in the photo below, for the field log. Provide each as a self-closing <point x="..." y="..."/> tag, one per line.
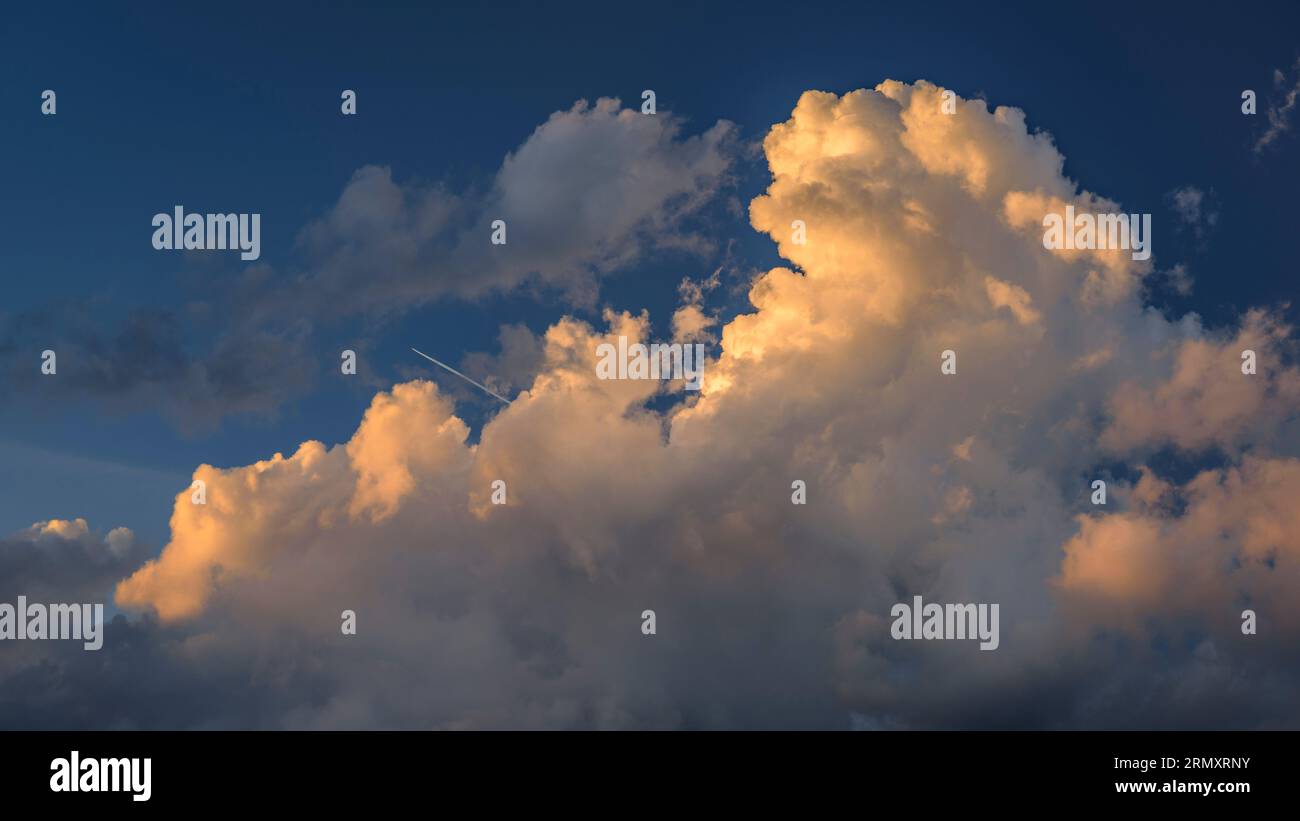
<point x="921" y="234"/>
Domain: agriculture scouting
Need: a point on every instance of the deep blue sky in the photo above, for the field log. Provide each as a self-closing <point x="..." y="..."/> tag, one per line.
<point x="236" y="109"/>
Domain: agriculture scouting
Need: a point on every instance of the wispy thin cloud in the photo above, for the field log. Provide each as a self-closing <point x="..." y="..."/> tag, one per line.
<point x="1279" y="116"/>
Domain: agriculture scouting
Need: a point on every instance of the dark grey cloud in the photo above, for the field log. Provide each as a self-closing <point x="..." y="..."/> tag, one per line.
<point x="146" y="359"/>
<point x="66" y="559"/>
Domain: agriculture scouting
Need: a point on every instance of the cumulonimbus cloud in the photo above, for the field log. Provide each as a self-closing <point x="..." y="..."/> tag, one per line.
<point x="923" y="235"/>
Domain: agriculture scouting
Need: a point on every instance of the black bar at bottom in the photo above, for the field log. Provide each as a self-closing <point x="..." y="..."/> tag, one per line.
<point x="612" y="772"/>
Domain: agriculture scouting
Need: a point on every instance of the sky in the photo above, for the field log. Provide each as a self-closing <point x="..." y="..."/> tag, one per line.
<point x="823" y="364"/>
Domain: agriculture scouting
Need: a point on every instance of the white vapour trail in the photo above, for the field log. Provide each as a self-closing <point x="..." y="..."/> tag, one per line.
<point x="462" y="376"/>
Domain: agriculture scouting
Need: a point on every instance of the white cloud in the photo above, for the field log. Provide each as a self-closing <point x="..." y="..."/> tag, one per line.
<point x="1279" y="114"/>
<point x="1195" y="208"/>
<point x="587" y="193"/>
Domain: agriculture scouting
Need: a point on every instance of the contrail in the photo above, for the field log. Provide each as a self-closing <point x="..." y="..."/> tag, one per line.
<point x="462" y="376"/>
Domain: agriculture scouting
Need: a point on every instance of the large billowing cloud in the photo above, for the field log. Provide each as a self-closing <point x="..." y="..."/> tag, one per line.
<point x="923" y="235"/>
